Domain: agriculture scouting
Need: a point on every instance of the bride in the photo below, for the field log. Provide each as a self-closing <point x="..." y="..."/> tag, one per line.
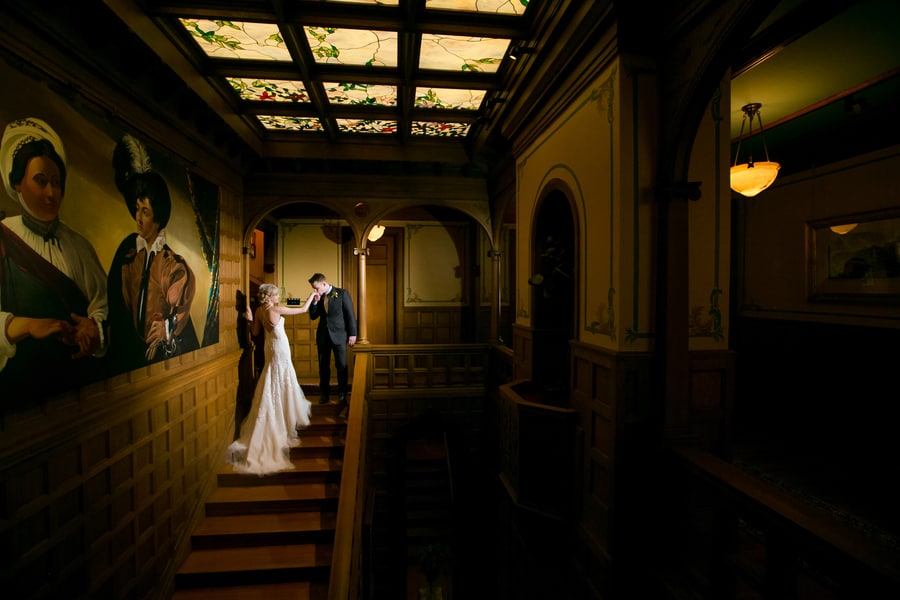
<point x="279" y="406"/>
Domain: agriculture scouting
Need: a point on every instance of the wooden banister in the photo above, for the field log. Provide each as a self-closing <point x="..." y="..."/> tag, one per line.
<point x="346" y="560"/>
<point x="794" y="527"/>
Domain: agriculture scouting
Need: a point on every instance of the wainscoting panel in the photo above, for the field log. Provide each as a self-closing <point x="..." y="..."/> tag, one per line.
<point x="608" y="393"/>
<point x="102" y="506"/>
<point x="712" y="398"/>
<point x="432" y="325"/>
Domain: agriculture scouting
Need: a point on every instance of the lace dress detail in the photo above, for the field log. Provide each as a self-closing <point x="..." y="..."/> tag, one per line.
<point x="278" y="410"/>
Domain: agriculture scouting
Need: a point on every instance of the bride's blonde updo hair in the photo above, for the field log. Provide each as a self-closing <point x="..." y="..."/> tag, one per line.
<point x="266" y="291"/>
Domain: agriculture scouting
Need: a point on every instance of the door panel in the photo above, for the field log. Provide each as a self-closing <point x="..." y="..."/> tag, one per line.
<point x="380" y="298"/>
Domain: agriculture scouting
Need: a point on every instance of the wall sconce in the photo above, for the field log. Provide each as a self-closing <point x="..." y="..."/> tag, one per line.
<point x="376" y="233"/>
<point x="750" y="178"/>
<point x="518" y="51"/>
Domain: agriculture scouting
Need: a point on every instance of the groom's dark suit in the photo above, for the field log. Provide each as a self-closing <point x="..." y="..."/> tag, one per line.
<point x="337" y="322"/>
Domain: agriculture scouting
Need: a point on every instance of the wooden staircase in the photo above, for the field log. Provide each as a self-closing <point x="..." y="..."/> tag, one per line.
<point x="271" y="536"/>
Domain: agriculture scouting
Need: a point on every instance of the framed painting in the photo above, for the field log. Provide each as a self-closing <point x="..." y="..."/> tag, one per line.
<point x="855" y="258"/>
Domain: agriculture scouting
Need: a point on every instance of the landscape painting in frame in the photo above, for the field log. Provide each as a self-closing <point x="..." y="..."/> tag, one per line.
<point x="855" y="258"/>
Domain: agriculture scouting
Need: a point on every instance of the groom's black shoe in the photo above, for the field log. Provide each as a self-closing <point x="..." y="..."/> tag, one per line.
<point x="343" y="407"/>
<point x="323" y="400"/>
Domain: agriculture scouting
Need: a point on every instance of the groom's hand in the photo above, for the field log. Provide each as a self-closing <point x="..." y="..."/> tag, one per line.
<point x="351" y="340"/>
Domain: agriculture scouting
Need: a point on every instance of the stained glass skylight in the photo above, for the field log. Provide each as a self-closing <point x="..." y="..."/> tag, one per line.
<point x="290" y="123"/>
<point x="448" y="98"/>
<point x="378" y="2"/>
<point x="440" y="129"/>
<point x="238" y="40"/>
<point x="353" y="46"/>
<point x="367" y="125"/>
<point x="457" y="53"/>
<point x="355" y="82"/>
<point x="516" y="7"/>
<point x="361" y="94"/>
<point x="271" y="89"/>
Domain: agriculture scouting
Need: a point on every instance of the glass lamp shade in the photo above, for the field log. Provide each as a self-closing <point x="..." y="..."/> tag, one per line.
<point x="843" y="229"/>
<point x="376" y="233"/>
<point x="750" y="179"/>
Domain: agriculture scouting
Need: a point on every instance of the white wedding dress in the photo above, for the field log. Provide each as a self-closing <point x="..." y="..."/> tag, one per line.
<point x="278" y="410"/>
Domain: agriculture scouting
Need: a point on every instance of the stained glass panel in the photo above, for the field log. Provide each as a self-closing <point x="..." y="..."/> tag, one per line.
<point x="448" y="98"/>
<point x="515" y="7"/>
<point x="278" y="90"/>
<point x="278" y="122"/>
<point x="361" y="93"/>
<point x="457" y="53"/>
<point x="378" y="2"/>
<point x="366" y="126"/>
<point x="369" y="48"/>
<point x="238" y="40"/>
<point x="440" y="129"/>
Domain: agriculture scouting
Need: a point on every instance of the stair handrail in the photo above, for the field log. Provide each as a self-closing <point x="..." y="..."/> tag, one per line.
<point x="345" y="582"/>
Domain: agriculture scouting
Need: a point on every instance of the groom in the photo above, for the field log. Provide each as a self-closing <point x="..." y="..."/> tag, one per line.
<point x="337" y="329"/>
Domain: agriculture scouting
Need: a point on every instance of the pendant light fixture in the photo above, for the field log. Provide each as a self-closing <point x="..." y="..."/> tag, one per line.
<point x="750" y="178"/>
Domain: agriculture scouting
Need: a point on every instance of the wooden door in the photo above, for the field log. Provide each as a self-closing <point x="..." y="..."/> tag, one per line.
<point x="380" y="297"/>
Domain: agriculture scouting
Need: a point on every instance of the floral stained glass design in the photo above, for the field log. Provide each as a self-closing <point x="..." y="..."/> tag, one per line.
<point x="273" y="89"/>
<point x="366" y="126"/>
<point x="360" y="93"/>
<point x="377" y="2"/>
<point x="440" y="129"/>
<point x="448" y="98"/>
<point x="356" y="51"/>
<point x="238" y="40"/>
<point x="457" y="53"/>
<point x="515" y="7"/>
<point x="277" y="122"/>
<point x="369" y="48"/>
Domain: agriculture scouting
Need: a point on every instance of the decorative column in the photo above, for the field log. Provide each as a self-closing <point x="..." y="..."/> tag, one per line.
<point x="362" y="338"/>
<point x="672" y="300"/>
<point x="496" y="294"/>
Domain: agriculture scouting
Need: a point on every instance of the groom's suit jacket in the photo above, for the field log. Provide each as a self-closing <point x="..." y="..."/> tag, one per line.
<point x="340" y="319"/>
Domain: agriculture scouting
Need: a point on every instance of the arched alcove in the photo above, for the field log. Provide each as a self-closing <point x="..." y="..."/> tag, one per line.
<point x="426" y="277"/>
<point x="553" y="295"/>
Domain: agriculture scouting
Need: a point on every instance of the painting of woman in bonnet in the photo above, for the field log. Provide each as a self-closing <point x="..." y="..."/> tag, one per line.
<point x="53" y="301"/>
<point x="151" y="288"/>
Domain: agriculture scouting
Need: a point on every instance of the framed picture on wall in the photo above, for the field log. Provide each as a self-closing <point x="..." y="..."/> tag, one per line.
<point x="855" y="258"/>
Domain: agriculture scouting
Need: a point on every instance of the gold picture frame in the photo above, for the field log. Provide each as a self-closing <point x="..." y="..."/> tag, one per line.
<point x="855" y="258"/>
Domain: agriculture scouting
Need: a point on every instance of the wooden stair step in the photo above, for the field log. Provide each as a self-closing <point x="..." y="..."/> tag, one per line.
<point x="271" y="536"/>
<point x="315" y="440"/>
<point x="432" y="532"/>
<point x="295" y="590"/>
<point x="271" y="498"/>
<point x="428" y="515"/>
<point x="255" y="558"/>
<point x="263" y="529"/>
<point x="307" y="469"/>
<point x="425" y="501"/>
<point x="255" y="564"/>
<point x="433" y="483"/>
